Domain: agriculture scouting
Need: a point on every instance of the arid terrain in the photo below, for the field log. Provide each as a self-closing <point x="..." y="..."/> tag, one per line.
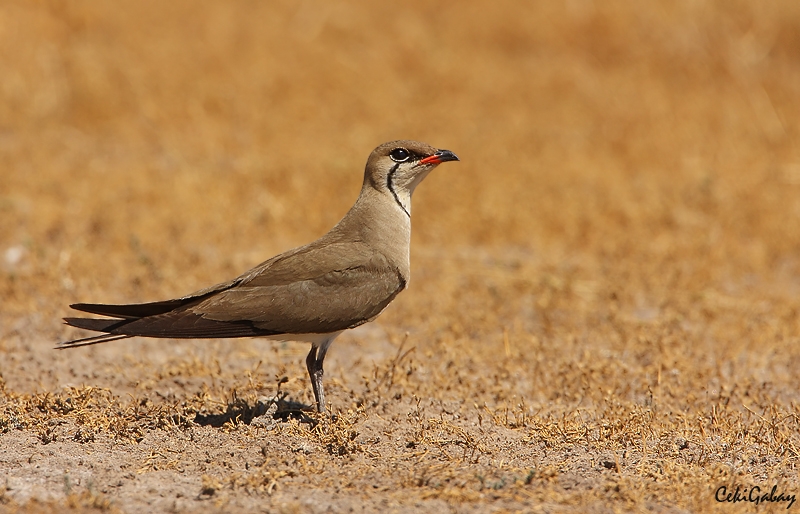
<point x="604" y="311"/>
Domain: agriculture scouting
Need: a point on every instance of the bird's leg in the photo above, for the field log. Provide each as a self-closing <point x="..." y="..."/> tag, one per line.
<point x="318" y="372"/>
<point x="314" y="366"/>
<point x="320" y="390"/>
<point x="315" y="374"/>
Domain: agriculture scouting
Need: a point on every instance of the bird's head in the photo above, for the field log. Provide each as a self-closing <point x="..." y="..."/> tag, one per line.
<point x="397" y="167"/>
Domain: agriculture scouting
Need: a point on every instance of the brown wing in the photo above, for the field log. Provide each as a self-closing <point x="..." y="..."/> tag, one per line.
<point x="316" y="289"/>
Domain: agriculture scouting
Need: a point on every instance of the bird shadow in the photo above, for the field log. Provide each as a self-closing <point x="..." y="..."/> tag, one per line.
<point x="239" y="410"/>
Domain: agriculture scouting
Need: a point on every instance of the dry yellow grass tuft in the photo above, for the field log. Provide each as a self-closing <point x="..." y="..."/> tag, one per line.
<point x="604" y="308"/>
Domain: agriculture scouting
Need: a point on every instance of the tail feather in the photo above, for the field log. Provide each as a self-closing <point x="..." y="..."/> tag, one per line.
<point x="86" y="341"/>
<point x="132" y="311"/>
<point x="177" y="325"/>
<point x="144" y="310"/>
<point x="98" y="325"/>
<point x="170" y="318"/>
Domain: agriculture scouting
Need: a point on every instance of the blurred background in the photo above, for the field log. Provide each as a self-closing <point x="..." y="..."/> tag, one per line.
<point x="633" y="161"/>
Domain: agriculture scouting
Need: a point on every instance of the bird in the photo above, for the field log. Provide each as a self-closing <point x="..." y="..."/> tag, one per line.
<point x="311" y="293"/>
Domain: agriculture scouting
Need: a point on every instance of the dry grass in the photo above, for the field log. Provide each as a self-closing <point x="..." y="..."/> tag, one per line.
<point x="604" y="308"/>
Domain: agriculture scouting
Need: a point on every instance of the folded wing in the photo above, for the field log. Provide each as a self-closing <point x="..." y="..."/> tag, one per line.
<point x="313" y="289"/>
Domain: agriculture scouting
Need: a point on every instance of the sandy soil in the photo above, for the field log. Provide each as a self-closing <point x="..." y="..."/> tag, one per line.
<point x="603" y="314"/>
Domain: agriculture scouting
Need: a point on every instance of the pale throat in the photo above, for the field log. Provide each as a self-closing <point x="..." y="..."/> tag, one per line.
<point x="405" y="199"/>
<point x="404" y="193"/>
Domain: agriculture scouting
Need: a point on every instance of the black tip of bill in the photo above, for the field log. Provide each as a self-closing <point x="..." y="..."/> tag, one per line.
<point x="439" y="157"/>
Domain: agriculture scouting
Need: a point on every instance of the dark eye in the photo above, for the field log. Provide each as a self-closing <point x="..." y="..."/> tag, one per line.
<point x="400" y="155"/>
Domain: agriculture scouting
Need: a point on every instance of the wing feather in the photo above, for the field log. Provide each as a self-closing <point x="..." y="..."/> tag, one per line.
<point x="321" y="290"/>
<point x="318" y="288"/>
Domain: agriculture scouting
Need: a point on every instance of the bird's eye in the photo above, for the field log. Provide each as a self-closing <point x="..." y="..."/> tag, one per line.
<point x="400" y="155"/>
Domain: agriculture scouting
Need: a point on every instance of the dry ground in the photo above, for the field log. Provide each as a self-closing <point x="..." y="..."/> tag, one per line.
<point x="604" y="309"/>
